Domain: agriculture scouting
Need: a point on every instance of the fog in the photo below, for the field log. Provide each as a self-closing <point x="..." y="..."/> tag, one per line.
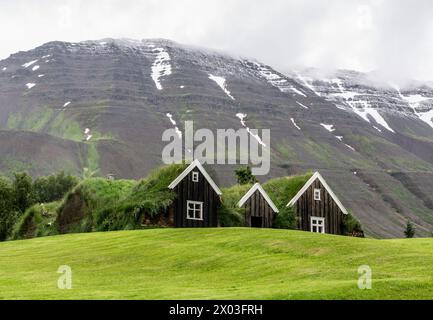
<point x="392" y="38"/>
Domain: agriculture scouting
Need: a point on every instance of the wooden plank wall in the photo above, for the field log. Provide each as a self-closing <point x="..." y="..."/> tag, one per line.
<point x="196" y="191"/>
<point x="257" y="206"/>
<point x="306" y="207"/>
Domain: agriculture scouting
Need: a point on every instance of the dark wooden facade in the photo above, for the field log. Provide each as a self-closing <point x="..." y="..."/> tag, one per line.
<point x="200" y="191"/>
<point x="306" y="207"/>
<point x="258" y="212"/>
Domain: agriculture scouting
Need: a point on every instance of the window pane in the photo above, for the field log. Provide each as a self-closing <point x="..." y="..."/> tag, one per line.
<point x="195" y="176"/>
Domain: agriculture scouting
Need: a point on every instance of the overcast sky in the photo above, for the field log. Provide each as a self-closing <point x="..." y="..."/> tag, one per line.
<point x="394" y="37"/>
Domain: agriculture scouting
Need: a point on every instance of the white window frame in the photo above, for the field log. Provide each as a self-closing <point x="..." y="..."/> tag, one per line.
<point x="194" y="207"/>
<point x="318" y="222"/>
<point x="195" y="176"/>
<point x="317" y="194"/>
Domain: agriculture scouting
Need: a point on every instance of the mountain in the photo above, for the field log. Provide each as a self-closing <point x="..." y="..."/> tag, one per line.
<point x="103" y="105"/>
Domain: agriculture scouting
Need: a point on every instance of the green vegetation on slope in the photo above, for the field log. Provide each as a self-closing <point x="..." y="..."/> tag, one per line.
<point x="81" y="207"/>
<point x="18" y="213"/>
<point x="32" y="122"/>
<point x="144" y="200"/>
<point x="92" y="159"/>
<point x="281" y="190"/>
<point x="99" y="204"/>
<point x="223" y="263"/>
<point x="37" y="221"/>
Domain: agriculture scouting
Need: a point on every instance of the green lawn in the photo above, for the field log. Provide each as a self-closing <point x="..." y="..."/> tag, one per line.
<point x="215" y="264"/>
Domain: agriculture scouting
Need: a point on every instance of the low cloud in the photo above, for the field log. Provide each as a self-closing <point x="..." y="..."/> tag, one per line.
<point x="394" y="38"/>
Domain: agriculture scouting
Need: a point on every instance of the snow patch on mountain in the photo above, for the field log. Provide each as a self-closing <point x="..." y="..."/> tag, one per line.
<point x="66" y="104"/>
<point x="297" y="91"/>
<point x="427" y="117"/>
<point x="161" y="66"/>
<point x="350" y="147"/>
<point x="361" y="107"/>
<point x="221" y="82"/>
<point x="277" y="80"/>
<point x="35" y="68"/>
<point x="87" y="134"/>
<point x="170" y="117"/>
<point x="28" y="64"/>
<point x="40" y="75"/>
<point x="294" y="124"/>
<point x="415" y="102"/>
<point x="30" y="85"/>
<point x="334" y="89"/>
<point x="302" y="105"/>
<point x="306" y="81"/>
<point x="328" y="127"/>
<point x="242" y="117"/>
<point x="368" y="111"/>
<point x="173" y="122"/>
<point x="331" y="128"/>
<point x="4" y="69"/>
<point x="344" y="93"/>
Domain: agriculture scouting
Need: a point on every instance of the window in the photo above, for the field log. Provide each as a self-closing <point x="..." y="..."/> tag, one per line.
<point x="195" y="176"/>
<point x="317" y="194"/>
<point x="194" y="210"/>
<point x="318" y="224"/>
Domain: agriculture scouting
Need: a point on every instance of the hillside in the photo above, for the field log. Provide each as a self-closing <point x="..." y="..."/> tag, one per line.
<point x="214" y="264"/>
<point x="99" y="204"/>
<point x="104" y="104"/>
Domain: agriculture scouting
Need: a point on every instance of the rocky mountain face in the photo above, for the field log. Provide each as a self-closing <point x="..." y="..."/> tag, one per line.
<point x="103" y="105"/>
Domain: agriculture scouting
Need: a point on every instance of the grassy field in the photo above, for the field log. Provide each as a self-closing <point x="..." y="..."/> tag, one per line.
<point x="219" y="263"/>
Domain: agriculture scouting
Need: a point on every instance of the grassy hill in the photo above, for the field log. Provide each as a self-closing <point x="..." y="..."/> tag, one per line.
<point x="224" y="263"/>
<point x="99" y="204"/>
